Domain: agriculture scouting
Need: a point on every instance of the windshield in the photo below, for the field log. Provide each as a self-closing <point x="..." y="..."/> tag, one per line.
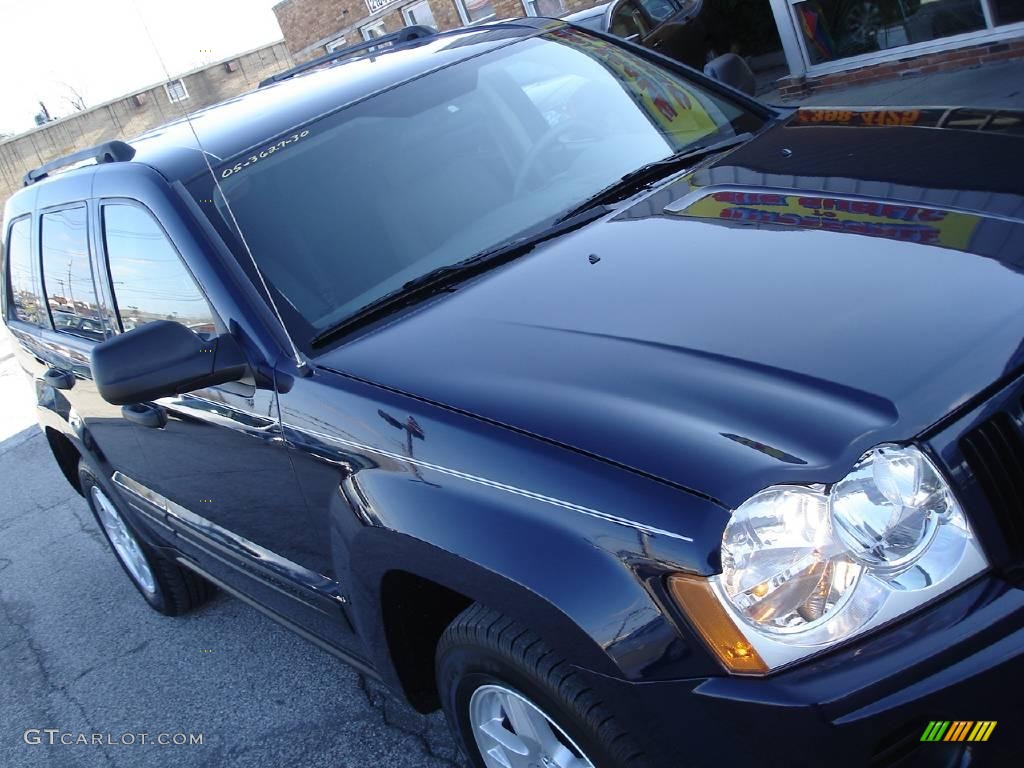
<point x="349" y="208"/>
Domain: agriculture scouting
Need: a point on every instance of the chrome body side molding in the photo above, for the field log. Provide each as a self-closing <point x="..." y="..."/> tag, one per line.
<point x="403" y="458"/>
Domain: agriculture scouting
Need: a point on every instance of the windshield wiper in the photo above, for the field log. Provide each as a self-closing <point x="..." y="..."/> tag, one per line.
<point x="443" y="278"/>
<point x="636" y="180"/>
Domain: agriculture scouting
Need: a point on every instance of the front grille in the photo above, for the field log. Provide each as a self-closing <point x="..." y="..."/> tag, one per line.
<point x="898" y="747"/>
<point x="995" y="454"/>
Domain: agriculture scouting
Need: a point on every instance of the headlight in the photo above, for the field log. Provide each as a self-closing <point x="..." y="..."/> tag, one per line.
<point x="806" y="567"/>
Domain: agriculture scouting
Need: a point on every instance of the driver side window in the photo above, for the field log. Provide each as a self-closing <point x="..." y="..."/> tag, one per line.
<point x="658" y="10"/>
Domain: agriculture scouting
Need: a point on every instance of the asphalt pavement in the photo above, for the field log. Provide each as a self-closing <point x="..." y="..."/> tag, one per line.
<point x="80" y="651"/>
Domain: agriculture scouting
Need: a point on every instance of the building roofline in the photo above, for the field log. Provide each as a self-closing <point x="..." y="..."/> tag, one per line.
<point x="146" y="89"/>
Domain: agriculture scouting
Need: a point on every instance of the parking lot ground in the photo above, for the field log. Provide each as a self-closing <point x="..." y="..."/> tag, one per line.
<point x="81" y="651"/>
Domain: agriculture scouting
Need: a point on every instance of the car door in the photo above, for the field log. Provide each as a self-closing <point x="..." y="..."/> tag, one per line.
<point x="71" y="324"/>
<point x="216" y="468"/>
<point x="24" y="307"/>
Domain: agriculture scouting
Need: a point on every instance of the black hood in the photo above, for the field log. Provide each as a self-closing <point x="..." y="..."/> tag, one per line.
<point x="766" y="318"/>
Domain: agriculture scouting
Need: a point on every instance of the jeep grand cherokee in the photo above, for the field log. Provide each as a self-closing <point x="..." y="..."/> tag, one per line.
<point x="626" y="419"/>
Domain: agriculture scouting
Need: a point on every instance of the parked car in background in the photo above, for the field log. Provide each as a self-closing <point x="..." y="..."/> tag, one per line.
<point x="591" y="18"/>
<point x="90" y="327"/>
<point x="689" y="31"/>
<point x="697" y="31"/>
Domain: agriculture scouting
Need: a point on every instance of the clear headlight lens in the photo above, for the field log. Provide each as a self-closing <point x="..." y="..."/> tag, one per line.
<point x="780" y="568"/>
<point x="806" y="567"/>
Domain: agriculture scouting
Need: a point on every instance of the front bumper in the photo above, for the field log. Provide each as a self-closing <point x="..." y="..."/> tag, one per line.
<point x="868" y="704"/>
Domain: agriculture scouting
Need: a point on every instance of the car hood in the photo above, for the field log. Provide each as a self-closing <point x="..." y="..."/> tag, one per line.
<point x="765" y="318"/>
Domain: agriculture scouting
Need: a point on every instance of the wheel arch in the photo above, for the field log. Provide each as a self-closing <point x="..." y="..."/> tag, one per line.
<point x="401" y="612"/>
<point x="66" y="454"/>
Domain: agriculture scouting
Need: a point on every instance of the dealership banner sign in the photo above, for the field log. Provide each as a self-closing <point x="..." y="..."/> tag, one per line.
<point x="894" y="221"/>
<point x="672" y="108"/>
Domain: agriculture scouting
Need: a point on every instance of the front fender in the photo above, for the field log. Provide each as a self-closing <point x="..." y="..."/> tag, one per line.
<point x="572" y="546"/>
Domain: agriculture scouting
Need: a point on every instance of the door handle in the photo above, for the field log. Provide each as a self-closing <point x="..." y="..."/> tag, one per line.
<point x="145" y="414"/>
<point x="59" y="379"/>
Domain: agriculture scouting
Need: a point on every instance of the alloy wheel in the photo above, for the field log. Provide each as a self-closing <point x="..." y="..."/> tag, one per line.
<point x="513" y="732"/>
<point x="126" y="546"/>
<point x="863" y="20"/>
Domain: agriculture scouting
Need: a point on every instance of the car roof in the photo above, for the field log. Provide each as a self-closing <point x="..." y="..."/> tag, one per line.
<point x="251" y="119"/>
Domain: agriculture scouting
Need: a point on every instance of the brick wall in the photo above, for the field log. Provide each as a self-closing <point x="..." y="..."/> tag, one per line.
<point x="309" y="25"/>
<point x="135" y="113"/>
<point x="943" y="61"/>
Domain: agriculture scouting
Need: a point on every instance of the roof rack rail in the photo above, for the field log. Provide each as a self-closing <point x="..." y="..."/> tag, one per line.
<point x="391" y="40"/>
<point x="107" y="152"/>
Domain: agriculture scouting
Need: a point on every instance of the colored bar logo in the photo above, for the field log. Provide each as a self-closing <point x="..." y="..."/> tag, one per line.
<point x="958" y="730"/>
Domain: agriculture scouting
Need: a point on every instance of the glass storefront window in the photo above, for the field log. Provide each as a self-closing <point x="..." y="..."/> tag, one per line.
<point x="1007" y="11"/>
<point x="549" y="8"/>
<point x="838" y="29"/>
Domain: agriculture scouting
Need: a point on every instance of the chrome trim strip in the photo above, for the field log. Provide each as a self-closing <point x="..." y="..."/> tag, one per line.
<point x="125" y="483"/>
<point x="220" y="413"/>
<point x="492" y="484"/>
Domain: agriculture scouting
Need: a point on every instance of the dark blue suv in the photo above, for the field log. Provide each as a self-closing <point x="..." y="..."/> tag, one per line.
<point x="630" y="421"/>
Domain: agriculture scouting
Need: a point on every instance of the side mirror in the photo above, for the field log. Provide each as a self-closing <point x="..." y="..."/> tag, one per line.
<point x="734" y="71"/>
<point x="161" y="359"/>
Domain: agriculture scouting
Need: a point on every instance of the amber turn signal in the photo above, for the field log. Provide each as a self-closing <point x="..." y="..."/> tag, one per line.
<point x="693" y="594"/>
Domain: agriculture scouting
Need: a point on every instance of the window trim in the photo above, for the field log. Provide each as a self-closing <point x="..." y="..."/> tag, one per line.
<point x="90" y="255"/>
<point x="8" y="293"/>
<point x="460" y="6"/>
<point x="527" y="9"/>
<point x="409" y="6"/>
<point x="103" y="259"/>
<point x="376" y="23"/>
<point x="184" y="89"/>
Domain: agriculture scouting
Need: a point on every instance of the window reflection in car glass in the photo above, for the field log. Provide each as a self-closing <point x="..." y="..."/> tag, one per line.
<point x="658" y="10"/>
<point x="518" y="136"/>
<point x="150" y="281"/>
<point x="24" y="280"/>
<point x="67" y="275"/>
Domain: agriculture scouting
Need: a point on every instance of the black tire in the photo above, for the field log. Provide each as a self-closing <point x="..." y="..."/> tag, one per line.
<point x="483" y="647"/>
<point x="176" y="589"/>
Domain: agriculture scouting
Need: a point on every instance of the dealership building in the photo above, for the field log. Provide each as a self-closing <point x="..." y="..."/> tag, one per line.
<point x="809" y="44"/>
<point x="835" y="42"/>
<point x="314" y="27"/>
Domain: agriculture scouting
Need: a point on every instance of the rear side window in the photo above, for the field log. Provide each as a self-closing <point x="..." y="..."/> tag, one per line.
<point x="67" y="275"/>
<point x="149" y="279"/>
<point x="25" y="304"/>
